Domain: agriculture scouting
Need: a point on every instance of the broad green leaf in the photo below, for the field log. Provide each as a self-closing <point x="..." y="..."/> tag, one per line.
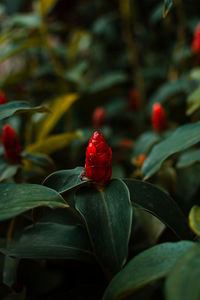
<point x="45" y="6"/>
<point x="52" y="143"/>
<point x="107" y="81"/>
<point x="64" y="180"/>
<point x="183" y="138"/>
<point x="108" y="217"/>
<point x="146" y="267"/>
<point x="193" y="101"/>
<point x="167" y="6"/>
<point x="28" y="20"/>
<point x="150" y="198"/>
<point x="59" y="106"/>
<point x="12" y="108"/>
<point x="188" y="158"/>
<point x="145" y="142"/>
<point x="194" y="219"/>
<point x="183" y="280"/>
<point x="52" y="241"/>
<point x="38" y="159"/>
<point x="18" y="198"/>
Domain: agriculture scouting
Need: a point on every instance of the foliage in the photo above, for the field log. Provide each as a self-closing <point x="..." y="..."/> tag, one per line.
<point x="67" y="69"/>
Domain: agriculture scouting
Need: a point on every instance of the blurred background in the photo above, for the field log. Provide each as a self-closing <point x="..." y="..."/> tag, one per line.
<point x="98" y="65"/>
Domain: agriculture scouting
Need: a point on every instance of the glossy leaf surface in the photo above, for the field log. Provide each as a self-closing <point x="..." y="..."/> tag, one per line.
<point x="183" y="280"/>
<point x="18" y="198"/>
<point x="183" y="138"/>
<point x="150" y="265"/>
<point x="150" y="198"/>
<point x="52" y="241"/>
<point x="108" y="217"/>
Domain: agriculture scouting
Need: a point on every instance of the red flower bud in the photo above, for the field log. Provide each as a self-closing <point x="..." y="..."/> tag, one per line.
<point x="2" y="98"/>
<point x="195" y="46"/>
<point x="11" y="144"/>
<point x="98" y="159"/>
<point x="98" y="117"/>
<point x="158" y="117"/>
<point x="134" y="100"/>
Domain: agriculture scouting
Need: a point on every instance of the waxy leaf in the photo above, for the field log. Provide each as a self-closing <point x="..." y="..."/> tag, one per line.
<point x="148" y="266"/>
<point x="52" y="241"/>
<point x="18" y="198"/>
<point x="64" y="180"/>
<point x="188" y="158"/>
<point x="183" y="138"/>
<point x="183" y="280"/>
<point x="194" y="219"/>
<point x="12" y="108"/>
<point x="150" y="198"/>
<point x="108" y="217"/>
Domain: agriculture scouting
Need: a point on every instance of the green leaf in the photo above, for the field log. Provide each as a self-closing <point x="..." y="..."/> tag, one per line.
<point x="9" y="172"/>
<point x="150" y="198"/>
<point x="167" y="6"/>
<point x="108" y="217"/>
<point x="183" y="280"/>
<point x="52" y="241"/>
<point x="194" y="219"/>
<point x="183" y="138"/>
<point x="145" y="142"/>
<point x="12" y="108"/>
<point x="38" y="159"/>
<point x="17" y="198"/>
<point x="146" y="267"/>
<point x="10" y="271"/>
<point x="64" y="180"/>
<point x="107" y="81"/>
<point x="188" y="158"/>
<point x="195" y="74"/>
<point x="193" y="101"/>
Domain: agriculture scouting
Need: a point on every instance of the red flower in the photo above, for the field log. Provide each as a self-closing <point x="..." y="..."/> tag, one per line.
<point x="11" y="144"/>
<point x="134" y="100"/>
<point x="2" y="98"/>
<point x="98" y="117"/>
<point x="98" y="159"/>
<point x="158" y="117"/>
<point x="195" y="46"/>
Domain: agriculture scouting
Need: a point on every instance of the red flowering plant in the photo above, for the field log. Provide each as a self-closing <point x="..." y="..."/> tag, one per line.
<point x="158" y="118"/>
<point x="195" y="46"/>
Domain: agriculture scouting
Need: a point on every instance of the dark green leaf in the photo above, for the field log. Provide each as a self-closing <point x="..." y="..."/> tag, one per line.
<point x="52" y="241"/>
<point x="65" y="180"/>
<point x="183" y="280"/>
<point x="10" y="271"/>
<point x="107" y="81"/>
<point x="11" y="108"/>
<point x="9" y="172"/>
<point x="183" y="138"/>
<point x="188" y="158"/>
<point x="17" y="198"/>
<point x="108" y="217"/>
<point x="145" y="142"/>
<point x="150" y="198"/>
<point x="150" y="265"/>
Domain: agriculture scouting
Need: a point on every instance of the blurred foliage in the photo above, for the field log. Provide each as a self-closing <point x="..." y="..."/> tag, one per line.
<point x="59" y="61"/>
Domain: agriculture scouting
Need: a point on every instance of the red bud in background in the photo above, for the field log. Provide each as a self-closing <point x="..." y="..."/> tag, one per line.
<point x="98" y="117"/>
<point x="195" y="46"/>
<point x="98" y="159"/>
<point x="3" y="99"/>
<point x="158" y="118"/>
<point x="134" y="100"/>
<point x="11" y="144"/>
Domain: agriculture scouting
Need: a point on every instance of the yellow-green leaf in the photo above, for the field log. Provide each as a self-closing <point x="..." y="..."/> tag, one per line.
<point x="58" y="107"/>
<point x="52" y="143"/>
<point x="45" y="6"/>
<point x="194" y="219"/>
